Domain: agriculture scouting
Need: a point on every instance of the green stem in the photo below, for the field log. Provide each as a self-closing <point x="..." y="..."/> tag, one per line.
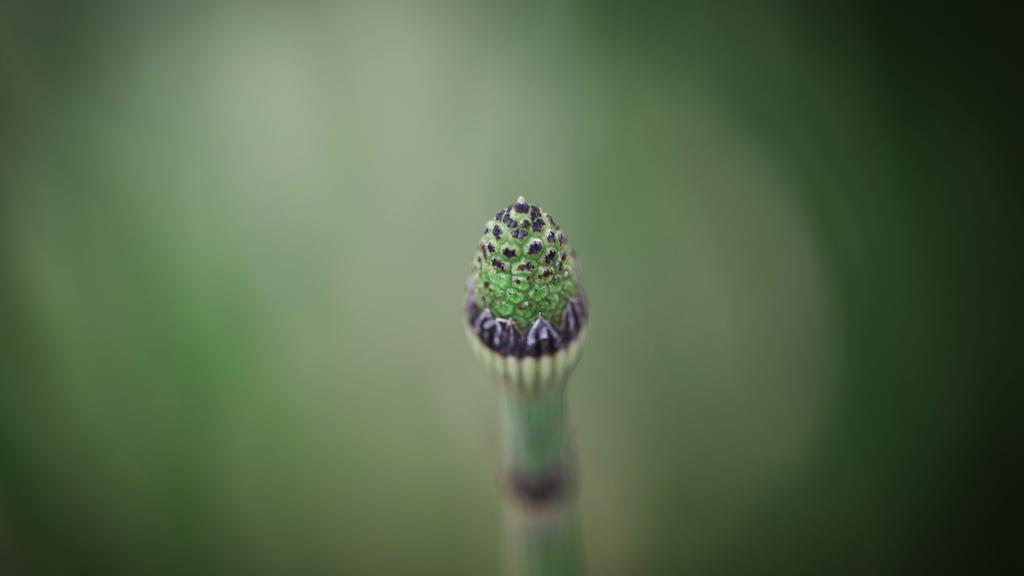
<point x="539" y="462"/>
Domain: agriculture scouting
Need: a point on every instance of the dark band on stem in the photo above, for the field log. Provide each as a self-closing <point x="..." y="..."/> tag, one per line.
<point x="541" y="490"/>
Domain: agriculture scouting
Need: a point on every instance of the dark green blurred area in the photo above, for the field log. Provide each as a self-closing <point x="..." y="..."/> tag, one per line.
<point x="235" y="237"/>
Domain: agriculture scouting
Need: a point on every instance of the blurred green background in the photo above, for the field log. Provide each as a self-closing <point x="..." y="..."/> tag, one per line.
<point x="235" y="237"/>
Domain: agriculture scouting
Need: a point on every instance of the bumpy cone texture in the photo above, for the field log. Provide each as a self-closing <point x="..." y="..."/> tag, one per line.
<point x="525" y="295"/>
<point x="524" y="266"/>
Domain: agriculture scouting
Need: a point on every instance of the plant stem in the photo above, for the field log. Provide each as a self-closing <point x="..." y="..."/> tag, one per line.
<point x="540" y="467"/>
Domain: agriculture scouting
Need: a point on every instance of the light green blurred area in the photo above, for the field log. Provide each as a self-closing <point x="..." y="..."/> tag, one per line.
<point x="235" y="240"/>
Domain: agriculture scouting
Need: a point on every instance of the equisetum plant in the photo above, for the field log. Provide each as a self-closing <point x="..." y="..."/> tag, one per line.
<point x="526" y="320"/>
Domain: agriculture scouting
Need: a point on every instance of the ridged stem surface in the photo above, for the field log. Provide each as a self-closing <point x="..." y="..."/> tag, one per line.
<point x="540" y="471"/>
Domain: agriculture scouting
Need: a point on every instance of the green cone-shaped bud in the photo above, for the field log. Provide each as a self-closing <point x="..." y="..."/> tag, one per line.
<point x="525" y="301"/>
